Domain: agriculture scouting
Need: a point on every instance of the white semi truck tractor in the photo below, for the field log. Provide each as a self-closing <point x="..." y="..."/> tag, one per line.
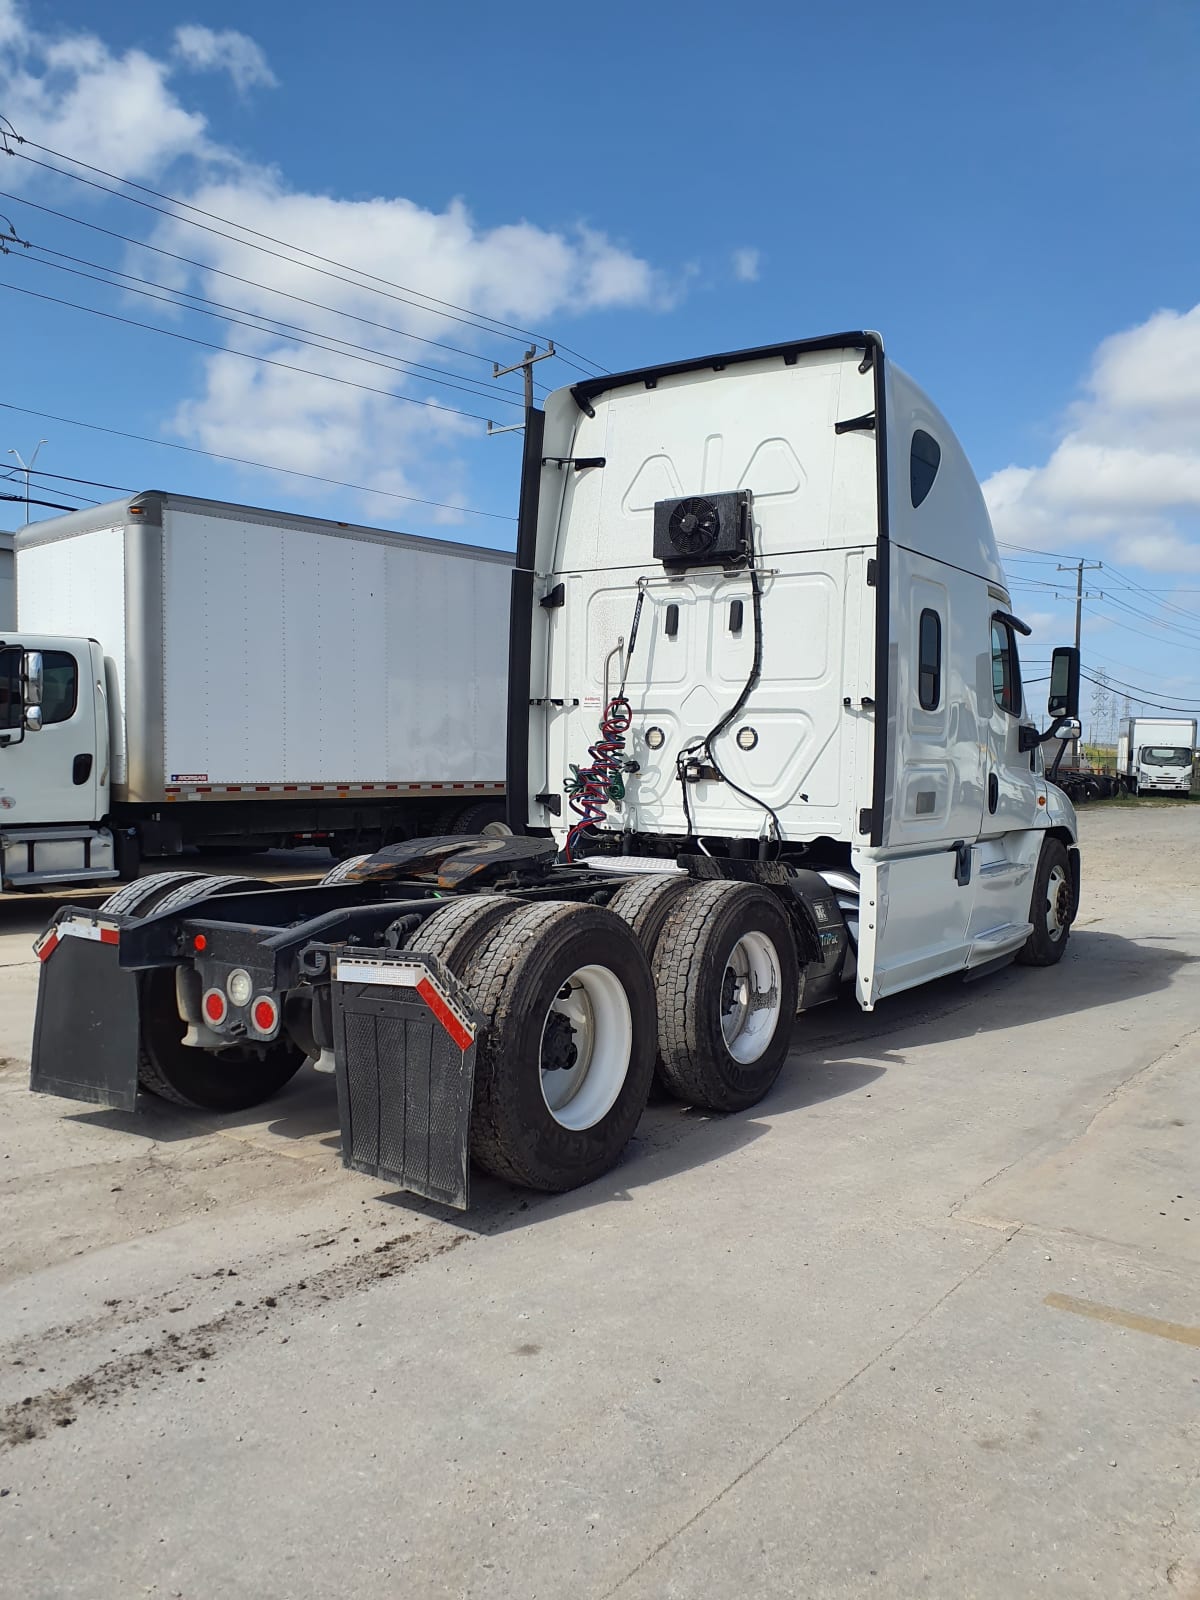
<point x="766" y="736"/>
<point x="1156" y="755"/>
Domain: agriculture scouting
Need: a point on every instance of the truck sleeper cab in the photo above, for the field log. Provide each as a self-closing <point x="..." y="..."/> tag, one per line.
<point x="767" y="732"/>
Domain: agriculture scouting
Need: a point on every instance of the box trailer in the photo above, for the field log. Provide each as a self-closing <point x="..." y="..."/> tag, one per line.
<point x="1156" y="755"/>
<point x="767" y="736"/>
<point x="212" y="674"/>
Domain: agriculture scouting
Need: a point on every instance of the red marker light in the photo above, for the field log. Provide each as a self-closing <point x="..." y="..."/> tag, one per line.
<point x="265" y="1014"/>
<point x="215" y="1006"/>
<point x="200" y="942"/>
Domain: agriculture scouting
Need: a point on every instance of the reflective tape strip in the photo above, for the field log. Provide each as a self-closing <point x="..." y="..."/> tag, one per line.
<point x="458" y="1030"/>
<point x="98" y="933"/>
<point x="405" y="975"/>
<point x="175" y="790"/>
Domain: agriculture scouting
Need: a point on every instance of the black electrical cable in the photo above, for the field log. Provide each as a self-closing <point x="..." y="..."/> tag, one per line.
<point x="245" y="461"/>
<point x="246" y="355"/>
<point x="24" y="500"/>
<point x="293" y="333"/>
<point x="252" y="284"/>
<point x="471" y="319"/>
<point x="704" y="746"/>
<point x="1183" y="711"/>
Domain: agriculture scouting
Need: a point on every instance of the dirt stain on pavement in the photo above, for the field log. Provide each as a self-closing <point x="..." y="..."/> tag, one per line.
<point x="36" y="1415"/>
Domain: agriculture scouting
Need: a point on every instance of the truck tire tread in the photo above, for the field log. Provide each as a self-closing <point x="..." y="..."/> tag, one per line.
<point x="500" y="979"/>
<point x="693" y="1061"/>
<point x="454" y="933"/>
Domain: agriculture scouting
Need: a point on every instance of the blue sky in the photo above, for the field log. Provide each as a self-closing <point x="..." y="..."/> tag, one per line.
<point x="1008" y="192"/>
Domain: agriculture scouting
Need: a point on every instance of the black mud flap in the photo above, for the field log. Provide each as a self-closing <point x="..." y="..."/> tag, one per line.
<point x="404" y="1050"/>
<point x="85" y="1033"/>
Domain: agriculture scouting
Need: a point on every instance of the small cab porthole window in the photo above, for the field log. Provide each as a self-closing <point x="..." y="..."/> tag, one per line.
<point x="923" y="462"/>
<point x="929" y="661"/>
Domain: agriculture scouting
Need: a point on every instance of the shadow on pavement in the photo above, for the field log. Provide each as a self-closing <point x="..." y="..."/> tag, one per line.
<point x="837" y="1050"/>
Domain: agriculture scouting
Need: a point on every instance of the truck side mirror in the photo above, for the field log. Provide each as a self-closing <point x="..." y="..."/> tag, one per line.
<point x="31" y="678"/>
<point x="1063" y="700"/>
<point x="33" y="719"/>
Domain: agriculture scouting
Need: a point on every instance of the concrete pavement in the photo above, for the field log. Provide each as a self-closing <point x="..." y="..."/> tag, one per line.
<point x="926" y="1322"/>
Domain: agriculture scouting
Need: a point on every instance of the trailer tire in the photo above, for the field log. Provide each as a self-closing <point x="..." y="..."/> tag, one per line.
<point x="583" y="965"/>
<point x="723" y="940"/>
<point x="232" y="1080"/>
<point x="1051" y="908"/>
<point x="454" y="933"/>
<point x="486" y="818"/>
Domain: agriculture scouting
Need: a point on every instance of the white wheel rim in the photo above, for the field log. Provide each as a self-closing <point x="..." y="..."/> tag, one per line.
<point x="751" y="997"/>
<point x="596" y="1008"/>
<point x="1058" y="894"/>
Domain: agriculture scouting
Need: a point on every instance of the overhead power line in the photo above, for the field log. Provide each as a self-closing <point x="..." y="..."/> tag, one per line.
<point x="244" y="461"/>
<point x="267" y="361"/>
<point x="293" y="333"/>
<point x="1183" y="711"/>
<point x="394" y="291"/>
<point x="250" y="283"/>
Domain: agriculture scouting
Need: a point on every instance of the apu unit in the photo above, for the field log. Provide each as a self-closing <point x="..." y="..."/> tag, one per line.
<point x="702" y="530"/>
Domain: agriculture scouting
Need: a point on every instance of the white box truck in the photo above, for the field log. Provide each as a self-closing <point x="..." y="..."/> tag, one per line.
<point x="767" y="735"/>
<point x="1155" y="755"/>
<point x="206" y="673"/>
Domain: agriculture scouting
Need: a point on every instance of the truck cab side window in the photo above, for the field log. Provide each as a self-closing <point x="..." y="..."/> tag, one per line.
<point x="924" y="459"/>
<point x="10" y="690"/>
<point x="929" y="661"/>
<point x="1006" y="669"/>
<point x="60" y="686"/>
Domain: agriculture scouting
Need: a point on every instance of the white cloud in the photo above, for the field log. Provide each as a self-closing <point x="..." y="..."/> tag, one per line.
<point x="1124" y="478"/>
<point x="125" y="112"/>
<point x="205" y="50"/>
<point x="746" y="264"/>
<point x="74" y="94"/>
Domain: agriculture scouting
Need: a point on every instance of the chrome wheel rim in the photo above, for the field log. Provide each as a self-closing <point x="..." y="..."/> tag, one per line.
<point x="1058" y="903"/>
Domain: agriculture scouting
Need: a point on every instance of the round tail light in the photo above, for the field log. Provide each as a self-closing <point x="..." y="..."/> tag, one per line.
<point x="265" y="1014"/>
<point x="215" y="1007"/>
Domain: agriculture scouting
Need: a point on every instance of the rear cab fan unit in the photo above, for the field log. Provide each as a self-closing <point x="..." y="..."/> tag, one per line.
<point x="702" y="530"/>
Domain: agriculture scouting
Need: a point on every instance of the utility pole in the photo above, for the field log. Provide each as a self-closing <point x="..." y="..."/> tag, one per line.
<point x="1079" y="569"/>
<point x="28" y="469"/>
<point x="525" y="366"/>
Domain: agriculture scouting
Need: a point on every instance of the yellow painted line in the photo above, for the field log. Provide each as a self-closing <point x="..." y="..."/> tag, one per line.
<point x="1177" y="1331"/>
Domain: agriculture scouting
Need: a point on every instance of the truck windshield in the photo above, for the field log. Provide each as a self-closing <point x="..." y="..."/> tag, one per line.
<point x="1166" y="755"/>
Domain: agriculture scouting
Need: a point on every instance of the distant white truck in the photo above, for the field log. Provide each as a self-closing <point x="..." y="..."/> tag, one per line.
<point x="193" y="672"/>
<point x="1155" y="755"/>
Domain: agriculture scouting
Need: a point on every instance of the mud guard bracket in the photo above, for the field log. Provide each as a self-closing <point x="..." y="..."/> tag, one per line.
<point x="85" y="1031"/>
<point x="404" y="1036"/>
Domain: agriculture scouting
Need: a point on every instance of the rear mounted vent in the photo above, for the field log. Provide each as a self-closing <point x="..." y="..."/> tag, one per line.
<point x="702" y="530"/>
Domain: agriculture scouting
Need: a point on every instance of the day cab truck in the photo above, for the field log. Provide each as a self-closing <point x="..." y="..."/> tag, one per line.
<point x="1155" y="755"/>
<point x="190" y="672"/>
<point x="766" y="736"/>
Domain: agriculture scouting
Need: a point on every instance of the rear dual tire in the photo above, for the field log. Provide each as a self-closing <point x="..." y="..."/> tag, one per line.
<point x="726" y="977"/>
<point x="563" y="1067"/>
